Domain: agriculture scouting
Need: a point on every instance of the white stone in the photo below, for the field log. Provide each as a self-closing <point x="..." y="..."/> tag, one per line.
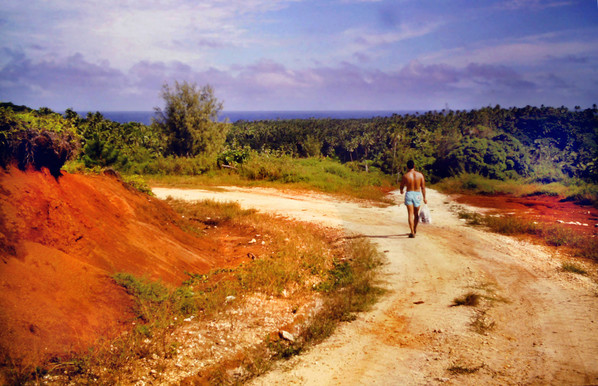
<point x="287" y="335"/>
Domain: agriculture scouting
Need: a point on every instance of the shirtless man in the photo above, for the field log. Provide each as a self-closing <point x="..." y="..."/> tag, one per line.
<point x="416" y="190"/>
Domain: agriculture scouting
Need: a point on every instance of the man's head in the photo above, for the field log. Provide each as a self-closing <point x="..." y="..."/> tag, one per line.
<point x="410" y="164"/>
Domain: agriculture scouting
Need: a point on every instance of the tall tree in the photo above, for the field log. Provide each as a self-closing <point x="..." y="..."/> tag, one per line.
<point x="190" y="120"/>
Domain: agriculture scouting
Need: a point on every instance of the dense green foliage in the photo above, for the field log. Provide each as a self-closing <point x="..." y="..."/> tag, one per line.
<point x="184" y="139"/>
<point x="35" y="139"/>
<point x="572" y="189"/>
<point x="542" y="144"/>
<point x="547" y="143"/>
<point x="107" y="143"/>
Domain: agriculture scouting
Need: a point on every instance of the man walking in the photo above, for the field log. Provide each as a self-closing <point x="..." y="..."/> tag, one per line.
<point x="416" y="191"/>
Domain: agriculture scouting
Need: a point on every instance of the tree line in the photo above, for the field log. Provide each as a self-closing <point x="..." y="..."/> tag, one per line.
<point x="543" y="143"/>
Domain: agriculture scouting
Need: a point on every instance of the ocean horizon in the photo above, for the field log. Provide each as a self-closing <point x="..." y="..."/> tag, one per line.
<point x="145" y="117"/>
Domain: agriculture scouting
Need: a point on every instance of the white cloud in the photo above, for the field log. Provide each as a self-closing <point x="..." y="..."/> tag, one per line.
<point x="369" y="45"/>
<point x="128" y="31"/>
<point x="269" y="85"/>
<point x="367" y="38"/>
<point x="533" y="4"/>
<point x="527" y="51"/>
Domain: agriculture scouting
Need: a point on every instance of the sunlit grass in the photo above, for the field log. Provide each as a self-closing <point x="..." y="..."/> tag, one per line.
<point x="285" y="172"/>
<point x="572" y="189"/>
<point x="574" y="268"/>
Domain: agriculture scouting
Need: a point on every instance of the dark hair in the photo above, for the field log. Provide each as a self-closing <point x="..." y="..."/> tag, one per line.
<point x="410" y="164"/>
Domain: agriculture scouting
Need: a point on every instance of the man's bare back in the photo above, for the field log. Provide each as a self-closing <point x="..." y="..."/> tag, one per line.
<point x="414" y="182"/>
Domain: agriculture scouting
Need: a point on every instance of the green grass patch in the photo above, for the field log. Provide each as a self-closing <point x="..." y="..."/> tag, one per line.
<point x="569" y="189"/>
<point x="210" y="212"/>
<point x="149" y="295"/>
<point x="285" y="172"/>
<point x="138" y="182"/>
<point x="574" y="268"/>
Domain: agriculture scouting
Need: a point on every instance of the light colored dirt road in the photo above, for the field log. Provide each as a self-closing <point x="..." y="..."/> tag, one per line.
<point x="534" y="324"/>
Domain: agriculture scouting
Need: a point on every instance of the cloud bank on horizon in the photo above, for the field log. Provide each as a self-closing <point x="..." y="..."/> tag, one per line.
<point x="300" y="54"/>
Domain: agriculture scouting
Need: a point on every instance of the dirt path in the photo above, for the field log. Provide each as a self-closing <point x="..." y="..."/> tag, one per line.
<point x="534" y="324"/>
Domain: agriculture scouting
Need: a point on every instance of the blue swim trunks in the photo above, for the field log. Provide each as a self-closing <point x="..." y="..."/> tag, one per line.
<point x="413" y="198"/>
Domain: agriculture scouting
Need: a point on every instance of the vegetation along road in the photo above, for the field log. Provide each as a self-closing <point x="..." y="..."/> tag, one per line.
<point x="463" y="306"/>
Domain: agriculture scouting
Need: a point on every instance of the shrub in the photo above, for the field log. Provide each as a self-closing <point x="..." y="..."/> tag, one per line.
<point x="139" y="183"/>
<point x="189" y="120"/>
<point x="36" y="139"/>
<point x="233" y="156"/>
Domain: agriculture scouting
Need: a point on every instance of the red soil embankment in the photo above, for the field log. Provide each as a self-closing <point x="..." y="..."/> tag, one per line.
<point x="547" y="209"/>
<point x="61" y="239"/>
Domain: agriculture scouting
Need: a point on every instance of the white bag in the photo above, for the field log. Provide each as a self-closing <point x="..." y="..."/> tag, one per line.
<point x="424" y="215"/>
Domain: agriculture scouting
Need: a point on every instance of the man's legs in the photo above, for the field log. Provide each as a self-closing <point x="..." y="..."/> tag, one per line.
<point x="411" y="219"/>
<point x="415" y="218"/>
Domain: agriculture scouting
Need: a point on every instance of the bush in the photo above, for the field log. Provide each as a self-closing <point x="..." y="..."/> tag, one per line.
<point x="36" y="139"/>
<point x="233" y="157"/>
<point x="138" y="183"/>
<point x="189" y="120"/>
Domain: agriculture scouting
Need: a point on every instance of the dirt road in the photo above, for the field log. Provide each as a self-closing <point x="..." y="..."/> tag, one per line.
<point x="533" y="324"/>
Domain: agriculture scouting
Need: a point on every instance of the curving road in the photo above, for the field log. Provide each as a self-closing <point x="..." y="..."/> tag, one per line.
<point x="533" y="324"/>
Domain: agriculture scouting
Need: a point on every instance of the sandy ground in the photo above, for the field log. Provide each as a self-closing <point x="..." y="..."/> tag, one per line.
<point x="534" y="323"/>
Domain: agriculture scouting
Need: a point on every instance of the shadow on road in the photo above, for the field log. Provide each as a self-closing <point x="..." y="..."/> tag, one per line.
<point x="378" y="236"/>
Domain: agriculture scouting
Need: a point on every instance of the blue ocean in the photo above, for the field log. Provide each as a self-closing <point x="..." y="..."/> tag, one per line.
<point x="145" y="117"/>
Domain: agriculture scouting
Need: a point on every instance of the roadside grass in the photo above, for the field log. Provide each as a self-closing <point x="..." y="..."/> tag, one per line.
<point x="569" y="189"/>
<point x="301" y="261"/>
<point x="574" y="268"/>
<point x="350" y="288"/>
<point x="210" y="212"/>
<point x="138" y="182"/>
<point x="581" y="245"/>
<point x="285" y="172"/>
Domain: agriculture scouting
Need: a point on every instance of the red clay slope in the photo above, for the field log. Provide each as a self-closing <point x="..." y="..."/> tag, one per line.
<point x="60" y="240"/>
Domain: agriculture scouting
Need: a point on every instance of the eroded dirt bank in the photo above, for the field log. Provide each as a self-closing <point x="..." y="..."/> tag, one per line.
<point x="62" y="239"/>
<point x="533" y="323"/>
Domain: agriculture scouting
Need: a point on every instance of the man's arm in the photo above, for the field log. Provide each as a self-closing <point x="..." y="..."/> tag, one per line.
<point x="402" y="184"/>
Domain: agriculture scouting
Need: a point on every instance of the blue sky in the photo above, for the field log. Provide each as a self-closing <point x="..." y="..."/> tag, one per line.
<point x="300" y="54"/>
